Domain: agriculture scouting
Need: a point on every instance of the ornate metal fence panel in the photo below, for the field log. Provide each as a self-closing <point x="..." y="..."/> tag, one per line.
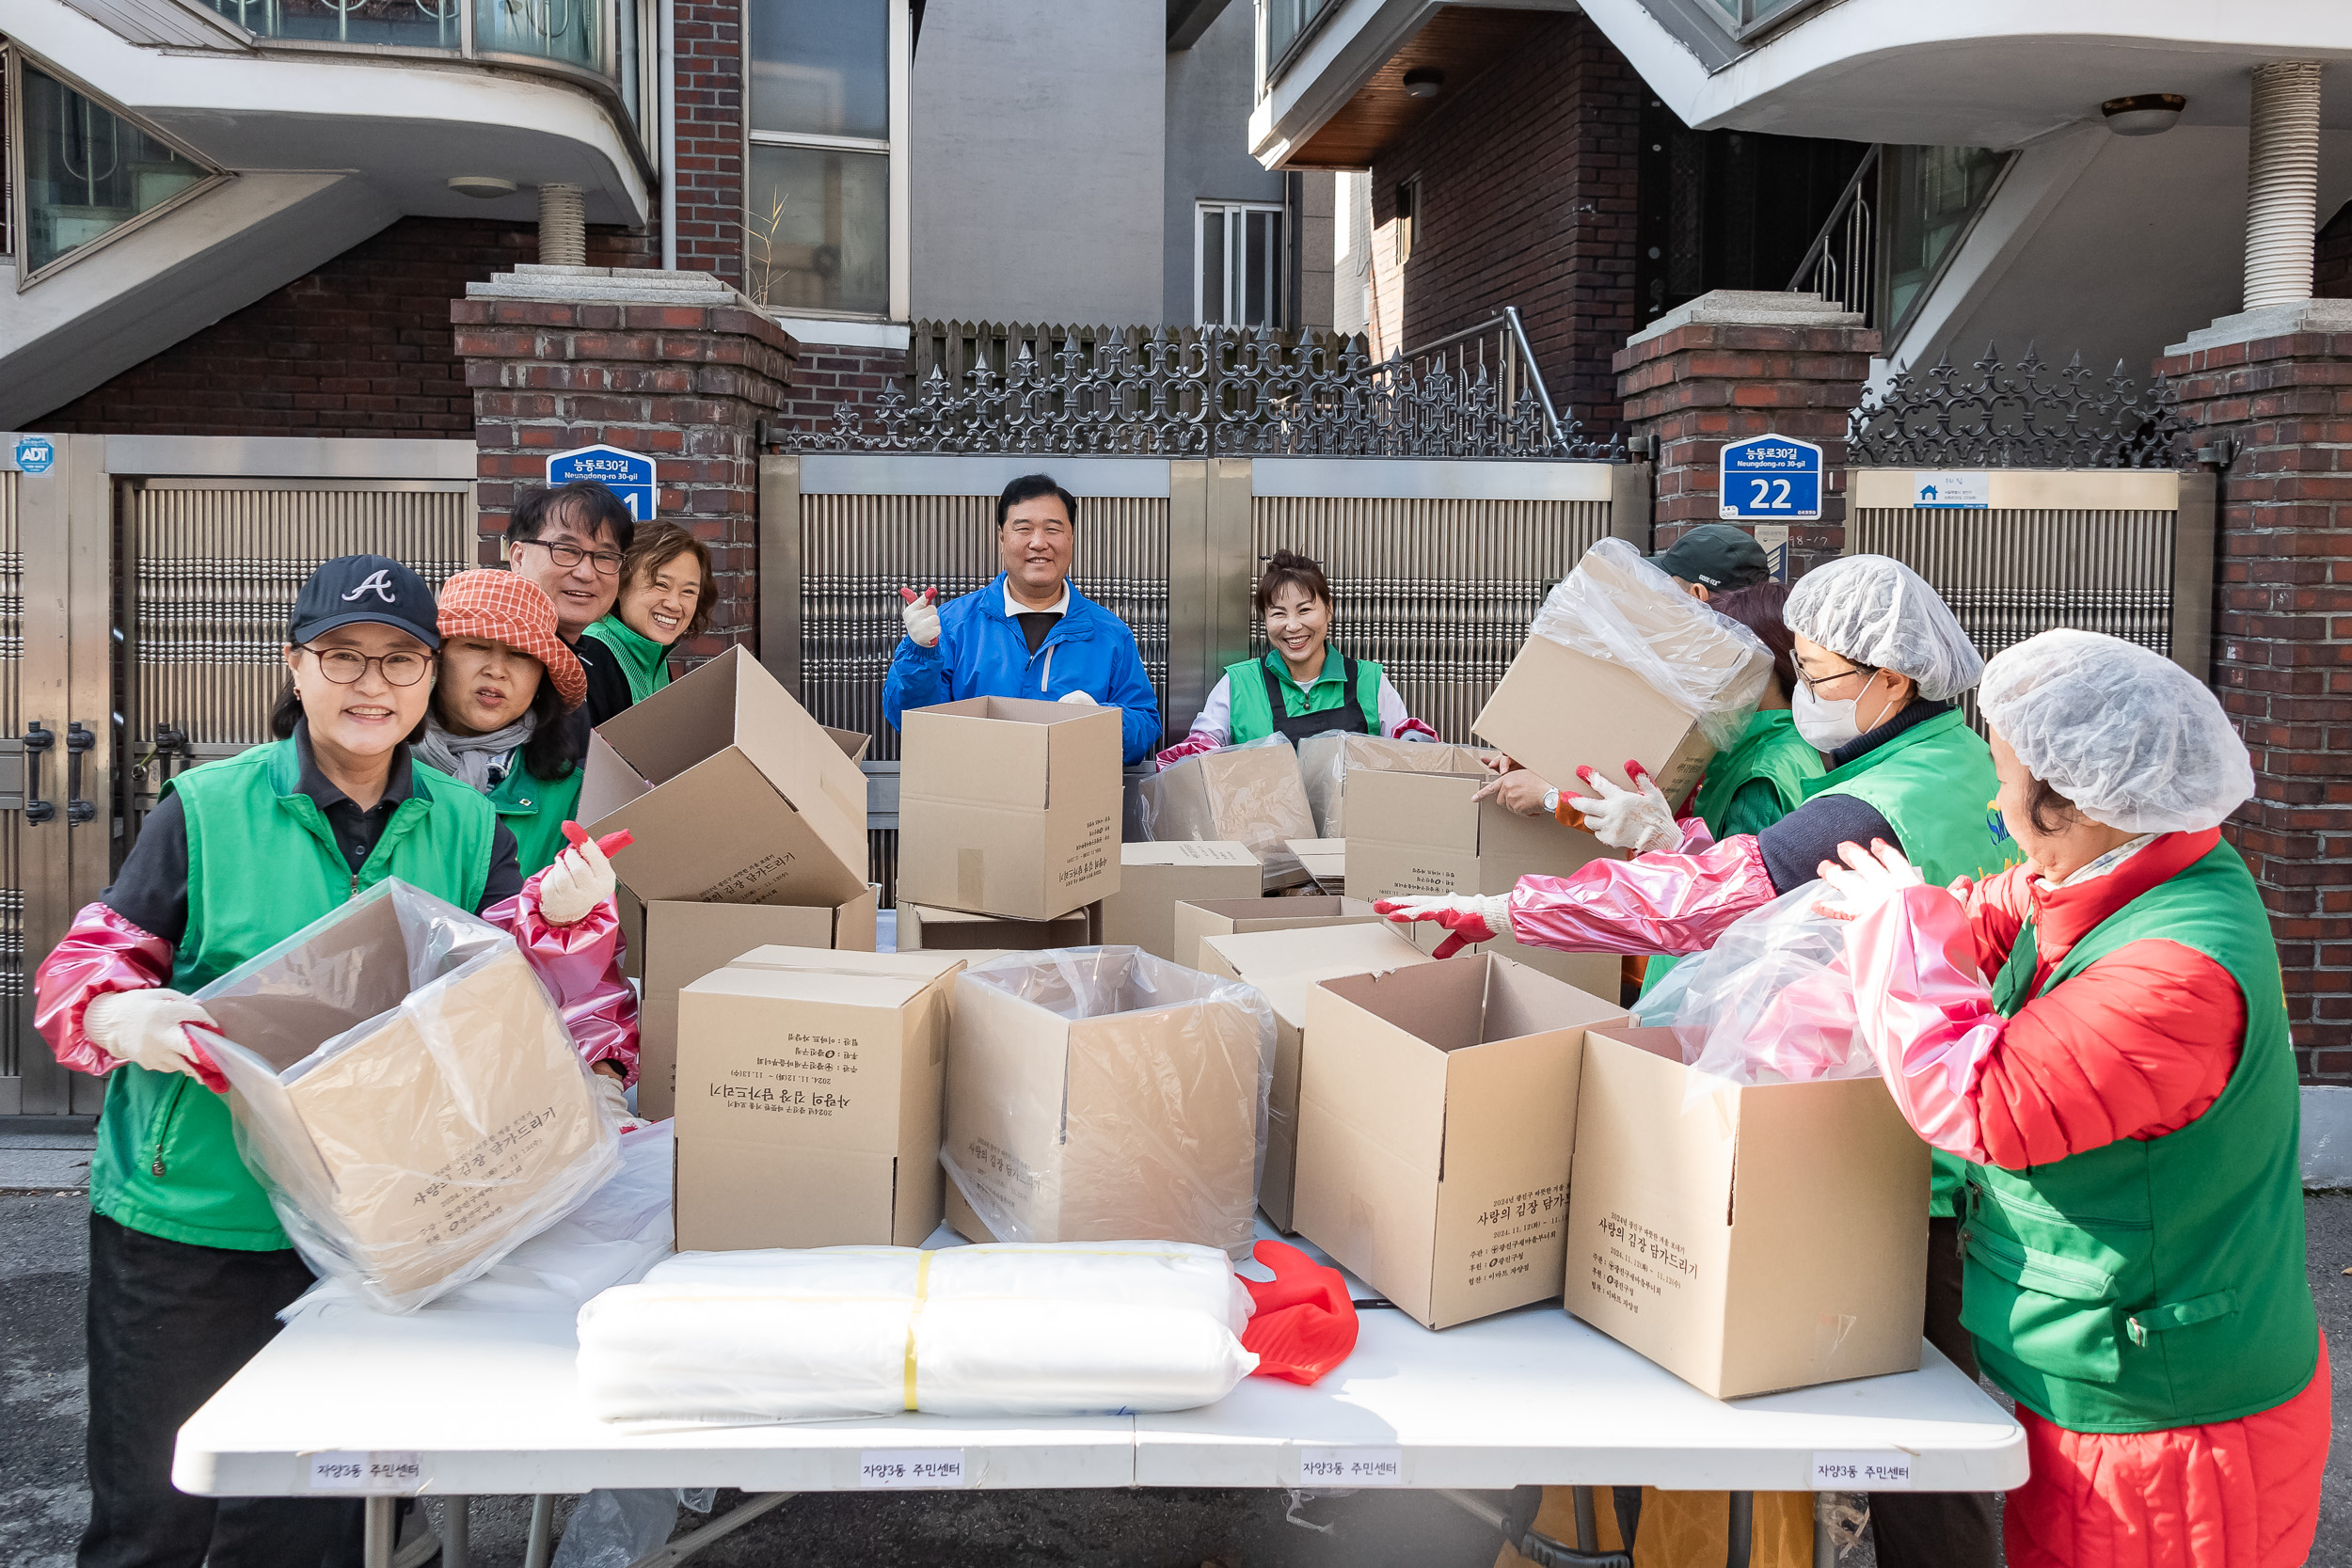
<point x="1196" y="393"/>
<point x="2033" y="418"/>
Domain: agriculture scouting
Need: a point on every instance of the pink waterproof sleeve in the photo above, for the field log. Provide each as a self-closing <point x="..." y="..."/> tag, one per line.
<point x="580" y="965"/>
<point x="1676" y="900"/>
<point x="101" y="953"/>
<point x="1922" y="1006"/>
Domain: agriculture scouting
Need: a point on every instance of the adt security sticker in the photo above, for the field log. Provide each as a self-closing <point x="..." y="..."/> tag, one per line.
<point x="35" y="454"/>
<point x="1769" y="479"/>
<point x="1952" y="492"/>
<point x="627" y="474"/>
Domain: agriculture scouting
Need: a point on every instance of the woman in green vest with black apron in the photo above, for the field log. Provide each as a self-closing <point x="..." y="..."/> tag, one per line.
<point x="1298" y="689"/>
<point x="2102" y="1033"/>
<point x="667" y="596"/>
<point x="188" y="1265"/>
<point x="1881" y="662"/>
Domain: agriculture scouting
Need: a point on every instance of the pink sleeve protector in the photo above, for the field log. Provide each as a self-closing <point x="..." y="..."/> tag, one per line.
<point x="1676" y="900"/>
<point x="580" y="965"/>
<point x="1921" y="1005"/>
<point x="101" y="953"/>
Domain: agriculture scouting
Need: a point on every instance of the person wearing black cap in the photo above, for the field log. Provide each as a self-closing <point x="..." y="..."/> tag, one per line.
<point x="1714" y="558"/>
<point x="188" y="1265"/>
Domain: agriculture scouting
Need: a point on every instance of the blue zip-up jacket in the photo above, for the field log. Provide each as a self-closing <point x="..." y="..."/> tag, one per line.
<point x="981" y="653"/>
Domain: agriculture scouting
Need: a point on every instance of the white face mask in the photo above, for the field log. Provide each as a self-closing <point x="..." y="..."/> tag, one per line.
<point x="1825" y="726"/>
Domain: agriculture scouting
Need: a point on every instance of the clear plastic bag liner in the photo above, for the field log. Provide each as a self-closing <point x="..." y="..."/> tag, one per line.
<point x="1132" y="1121"/>
<point x="1770" y="1003"/>
<point x="1263" y="805"/>
<point x="1617" y="606"/>
<point x="405" y="1090"/>
<point x="1326" y="760"/>
<point x="838" y="1332"/>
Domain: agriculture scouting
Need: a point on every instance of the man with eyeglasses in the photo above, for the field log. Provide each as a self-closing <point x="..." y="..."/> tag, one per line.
<point x="569" y="540"/>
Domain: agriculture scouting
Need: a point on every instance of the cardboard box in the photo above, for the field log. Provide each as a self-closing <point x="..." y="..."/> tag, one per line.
<point x="1326" y="860"/>
<point x="1758" y="1238"/>
<point x="1326" y="760"/>
<point x="471" y="1070"/>
<point x="924" y="930"/>
<point x="1154" y="878"/>
<point x="735" y="794"/>
<point x="1227" y="916"/>
<point x="1437" y="1128"/>
<point x="1282" y="965"/>
<point x="1556" y="709"/>
<point x="685" y="942"/>
<point x="1125" y="1107"/>
<point x="1417" y="834"/>
<point x="1009" y="807"/>
<point x="1249" y="794"/>
<point x="808" y="1112"/>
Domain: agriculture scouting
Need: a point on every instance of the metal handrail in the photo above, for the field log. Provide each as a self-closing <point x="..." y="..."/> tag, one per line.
<point x="1848" y="242"/>
<point x="1508" y="321"/>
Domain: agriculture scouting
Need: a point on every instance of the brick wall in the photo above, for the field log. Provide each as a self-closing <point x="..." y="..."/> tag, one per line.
<point x="2283" y="653"/>
<point x="710" y="138"/>
<point x="1528" y="188"/>
<point x="827" y="374"/>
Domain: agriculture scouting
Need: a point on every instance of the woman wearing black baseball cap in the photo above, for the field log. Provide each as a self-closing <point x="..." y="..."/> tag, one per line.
<point x="188" y="1265"/>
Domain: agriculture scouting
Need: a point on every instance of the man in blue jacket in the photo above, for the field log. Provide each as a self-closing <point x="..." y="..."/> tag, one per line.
<point x="1028" y="633"/>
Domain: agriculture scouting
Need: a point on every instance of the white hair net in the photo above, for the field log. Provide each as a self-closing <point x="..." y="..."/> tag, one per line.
<point x="2132" y="739"/>
<point x="1875" y="611"/>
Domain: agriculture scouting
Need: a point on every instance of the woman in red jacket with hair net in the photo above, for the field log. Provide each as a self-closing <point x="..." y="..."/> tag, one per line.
<point x="2102" y="1033"/>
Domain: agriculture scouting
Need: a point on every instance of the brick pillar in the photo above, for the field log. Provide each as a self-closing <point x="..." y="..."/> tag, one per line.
<point x="1735" y="363"/>
<point x="2277" y="383"/>
<point x="676" y="365"/>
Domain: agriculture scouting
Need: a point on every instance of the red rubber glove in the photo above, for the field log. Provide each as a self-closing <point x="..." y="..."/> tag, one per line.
<point x="609" y="843"/>
<point x="1304" y="1324"/>
<point x="1471" y="916"/>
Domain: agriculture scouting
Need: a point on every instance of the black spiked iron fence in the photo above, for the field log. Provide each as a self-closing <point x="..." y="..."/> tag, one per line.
<point x="2032" y="419"/>
<point x="1206" y="391"/>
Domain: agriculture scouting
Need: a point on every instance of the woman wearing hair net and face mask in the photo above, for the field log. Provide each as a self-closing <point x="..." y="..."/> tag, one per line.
<point x="2102" y="1032"/>
<point x="1880" y="662"/>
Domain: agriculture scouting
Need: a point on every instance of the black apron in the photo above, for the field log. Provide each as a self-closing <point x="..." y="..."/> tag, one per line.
<point x="1347" y="719"/>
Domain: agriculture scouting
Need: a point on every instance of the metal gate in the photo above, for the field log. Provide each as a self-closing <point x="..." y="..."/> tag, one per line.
<point x="144" y="583"/>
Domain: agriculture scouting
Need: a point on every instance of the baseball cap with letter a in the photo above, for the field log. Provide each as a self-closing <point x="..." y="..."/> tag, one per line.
<point x="355" y="588"/>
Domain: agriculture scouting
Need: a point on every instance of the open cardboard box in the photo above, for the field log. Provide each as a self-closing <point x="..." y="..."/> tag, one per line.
<point x="1418" y="834"/>
<point x="1249" y="794"/>
<point x="735" y="795"/>
<point x="1228" y="916"/>
<point x="925" y="929"/>
<point x="1282" y="965"/>
<point x="1326" y="760"/>
<point x="1438" y="1120"/>
<point x="1154" y="878"/>
<point x="683" y="943"/>
<point x="1009" y="807"/>
<point x="1326" y="860"/>
<point x="809" y="1108"/>
<point x="1748" y="1239"/>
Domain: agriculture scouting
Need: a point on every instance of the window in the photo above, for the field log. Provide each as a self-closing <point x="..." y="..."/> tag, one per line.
<point x="1281" y="25"/>
<point x="1239" y="264"/>
<point x="1407" y="214"/>
<point x="827" y="194"/>
<point x="87" y="171"/>
<point x="1929" y="196"/>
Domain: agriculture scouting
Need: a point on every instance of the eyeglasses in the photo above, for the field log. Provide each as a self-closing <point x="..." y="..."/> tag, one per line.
<point x="1817" y="682"/>
<point x="608" y="563"/>
<point x="343" y="666"/>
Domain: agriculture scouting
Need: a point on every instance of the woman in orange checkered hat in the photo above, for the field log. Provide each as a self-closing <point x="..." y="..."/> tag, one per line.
<point x="507" y="680"/>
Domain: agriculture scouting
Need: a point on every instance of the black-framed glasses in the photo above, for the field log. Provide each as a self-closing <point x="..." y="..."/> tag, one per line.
<point x="345" y="665"/>
<point x="608" y="563"/>
<point x="1815" y="682"/>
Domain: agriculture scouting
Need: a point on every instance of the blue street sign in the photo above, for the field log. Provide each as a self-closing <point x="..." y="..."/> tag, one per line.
<point x="1770" y="479"/>
<point x="35" y="454"/>
<point x="627" y="474"/>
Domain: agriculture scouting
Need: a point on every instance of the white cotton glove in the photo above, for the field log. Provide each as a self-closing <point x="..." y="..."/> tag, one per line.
<point x="1869" y="879"/>
<point x="1078" y="697"/>
<point x="921" y="616"/>
<point x="612" y="1100"/>
<point x="1468" y="918"/>
<point x="1639" y="820"/>
<point x="580" y="879"/>
<point x="146" y="1028"/>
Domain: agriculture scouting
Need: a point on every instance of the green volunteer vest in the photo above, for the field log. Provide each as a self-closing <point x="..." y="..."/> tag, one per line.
<point x="262" y="865"/>
<point x="1934" y="784"/>
<point x="2159" y="1282"/>
<point x="1771" y="751"/>
<point x="644" y="663"/>
<point x="1251" y="719"/>
<point x="534" y="811"/>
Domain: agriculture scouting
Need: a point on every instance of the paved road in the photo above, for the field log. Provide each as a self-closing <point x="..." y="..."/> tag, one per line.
<point x="42" y="1256"/>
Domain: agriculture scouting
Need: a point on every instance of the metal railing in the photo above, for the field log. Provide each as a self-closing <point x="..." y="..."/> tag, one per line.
<point x="1515" y="368"/>
<point x="2031" y="418"/>
<point x="595" y="36"/>
<point x="1841" y="265"/>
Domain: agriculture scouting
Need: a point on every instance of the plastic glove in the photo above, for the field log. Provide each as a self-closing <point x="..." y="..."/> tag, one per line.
<point x="1639" y="820"/>
<point x="1080" y="698"/>
<point x="921" y="616"/>
<point x="613" y="1099"/>
<point x="1413" y="729"/>
<point x="1301" y="1323"/>
<point x="151" y="1027"/>
<point x="1471" y="918"/>
<point x="580" y="879"/>
<point x="1192" y="745"/>
<point x="1869" y="879"/>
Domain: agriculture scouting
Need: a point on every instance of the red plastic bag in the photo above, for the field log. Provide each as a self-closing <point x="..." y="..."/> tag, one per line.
<point x="1304" y="1324"/>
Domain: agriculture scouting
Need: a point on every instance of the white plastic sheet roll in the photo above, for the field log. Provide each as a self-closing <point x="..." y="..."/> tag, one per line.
<point x="1040" y="1329"/>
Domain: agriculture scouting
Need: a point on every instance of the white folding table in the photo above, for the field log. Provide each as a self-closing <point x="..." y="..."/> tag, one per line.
<point x="466" y="1402"/>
